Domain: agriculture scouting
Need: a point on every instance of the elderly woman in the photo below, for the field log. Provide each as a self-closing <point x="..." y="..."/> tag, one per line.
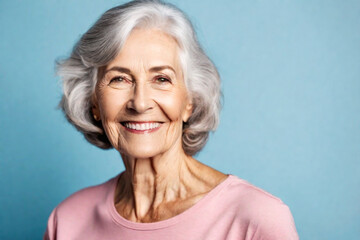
<point x="139" y="82"/>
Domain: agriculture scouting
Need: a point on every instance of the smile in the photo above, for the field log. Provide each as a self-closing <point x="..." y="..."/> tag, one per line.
<point x="141" y="127"/>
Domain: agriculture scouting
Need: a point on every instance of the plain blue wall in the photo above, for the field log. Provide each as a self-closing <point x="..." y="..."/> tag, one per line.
<point x="290" y="122"/>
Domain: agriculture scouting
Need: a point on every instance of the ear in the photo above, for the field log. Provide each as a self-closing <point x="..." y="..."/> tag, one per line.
<point x="95" y="108"/>
<point x="187" y="112"/>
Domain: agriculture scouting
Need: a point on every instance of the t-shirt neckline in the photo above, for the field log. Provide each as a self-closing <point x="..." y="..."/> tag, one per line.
<point x="118" y="219"/>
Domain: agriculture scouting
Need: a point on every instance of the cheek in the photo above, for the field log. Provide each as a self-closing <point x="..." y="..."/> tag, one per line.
<point x="173" y="106"/>
<point x="110" y="105"/>
<point x="112" y="132"/>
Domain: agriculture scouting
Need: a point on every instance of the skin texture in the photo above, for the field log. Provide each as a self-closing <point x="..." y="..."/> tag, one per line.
<point x="144" y="83"/>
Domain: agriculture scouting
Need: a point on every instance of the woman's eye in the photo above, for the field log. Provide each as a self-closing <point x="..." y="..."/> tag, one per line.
<point x="163" y="80"/>
<point x="120" y="82"/>
<point x="117" y="79"/>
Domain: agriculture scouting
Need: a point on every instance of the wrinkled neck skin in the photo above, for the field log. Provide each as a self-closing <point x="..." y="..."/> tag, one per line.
<point x="160" y="187"/>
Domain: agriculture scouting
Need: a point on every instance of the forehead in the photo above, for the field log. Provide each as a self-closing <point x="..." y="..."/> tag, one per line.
<point x="148" y="47"/>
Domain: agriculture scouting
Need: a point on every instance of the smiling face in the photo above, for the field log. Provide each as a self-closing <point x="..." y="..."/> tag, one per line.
<point x="141" y="96"/>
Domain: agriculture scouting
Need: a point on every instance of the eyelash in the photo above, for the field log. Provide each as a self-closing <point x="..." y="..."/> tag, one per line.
<point x="118" y="79"/>
<point x="163" y="77"/>
<point x="157" y="79"/>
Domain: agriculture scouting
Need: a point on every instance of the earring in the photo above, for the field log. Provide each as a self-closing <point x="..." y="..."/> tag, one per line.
<point x="96" y="117"/>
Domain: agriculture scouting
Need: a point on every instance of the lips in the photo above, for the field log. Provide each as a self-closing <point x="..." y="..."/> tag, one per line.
<point x="141" y="127"/>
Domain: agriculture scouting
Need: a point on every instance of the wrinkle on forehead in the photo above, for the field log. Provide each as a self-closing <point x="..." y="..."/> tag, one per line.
<point x="147" y="48"/>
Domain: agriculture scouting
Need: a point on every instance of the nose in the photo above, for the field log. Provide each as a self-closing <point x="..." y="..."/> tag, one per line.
<point x="140" y="100"/>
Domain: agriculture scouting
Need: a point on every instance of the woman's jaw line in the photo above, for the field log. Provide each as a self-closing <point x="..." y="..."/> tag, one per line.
<point x="157" y="164"/>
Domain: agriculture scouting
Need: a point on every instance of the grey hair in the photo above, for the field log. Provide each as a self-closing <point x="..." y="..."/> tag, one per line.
<point x="101" y="43"/>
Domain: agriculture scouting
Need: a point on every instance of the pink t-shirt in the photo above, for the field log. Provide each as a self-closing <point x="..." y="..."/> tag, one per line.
<point x="233" y="210"/>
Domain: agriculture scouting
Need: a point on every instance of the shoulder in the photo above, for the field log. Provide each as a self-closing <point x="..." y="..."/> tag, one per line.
<point x="80" y="202"/>
<point x="266" y="215"/>
<point x="78" y="210"/>
<point x="249" y="195"/>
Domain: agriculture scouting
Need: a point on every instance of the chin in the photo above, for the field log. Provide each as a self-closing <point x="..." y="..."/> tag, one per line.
<point x="142" y="152"/>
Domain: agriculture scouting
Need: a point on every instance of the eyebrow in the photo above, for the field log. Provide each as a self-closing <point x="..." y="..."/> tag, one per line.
<point x="128" y="71"/>
<point x="119" y="69"/>
<point x="159" y="68"/>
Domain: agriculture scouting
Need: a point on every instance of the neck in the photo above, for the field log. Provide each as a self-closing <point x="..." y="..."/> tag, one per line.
<point x="150" y="188"/>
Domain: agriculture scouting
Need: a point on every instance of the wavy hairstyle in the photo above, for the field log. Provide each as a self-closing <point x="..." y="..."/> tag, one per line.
<point x="101" y="43"/>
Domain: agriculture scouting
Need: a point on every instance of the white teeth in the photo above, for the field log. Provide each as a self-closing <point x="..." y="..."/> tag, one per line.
<point x="142" y="126"/>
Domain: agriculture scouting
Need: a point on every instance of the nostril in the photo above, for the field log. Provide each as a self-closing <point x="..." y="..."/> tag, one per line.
<point x="140" y="104"/>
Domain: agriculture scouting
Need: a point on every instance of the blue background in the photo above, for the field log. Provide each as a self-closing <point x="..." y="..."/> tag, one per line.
<point x="290" y="122"/>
